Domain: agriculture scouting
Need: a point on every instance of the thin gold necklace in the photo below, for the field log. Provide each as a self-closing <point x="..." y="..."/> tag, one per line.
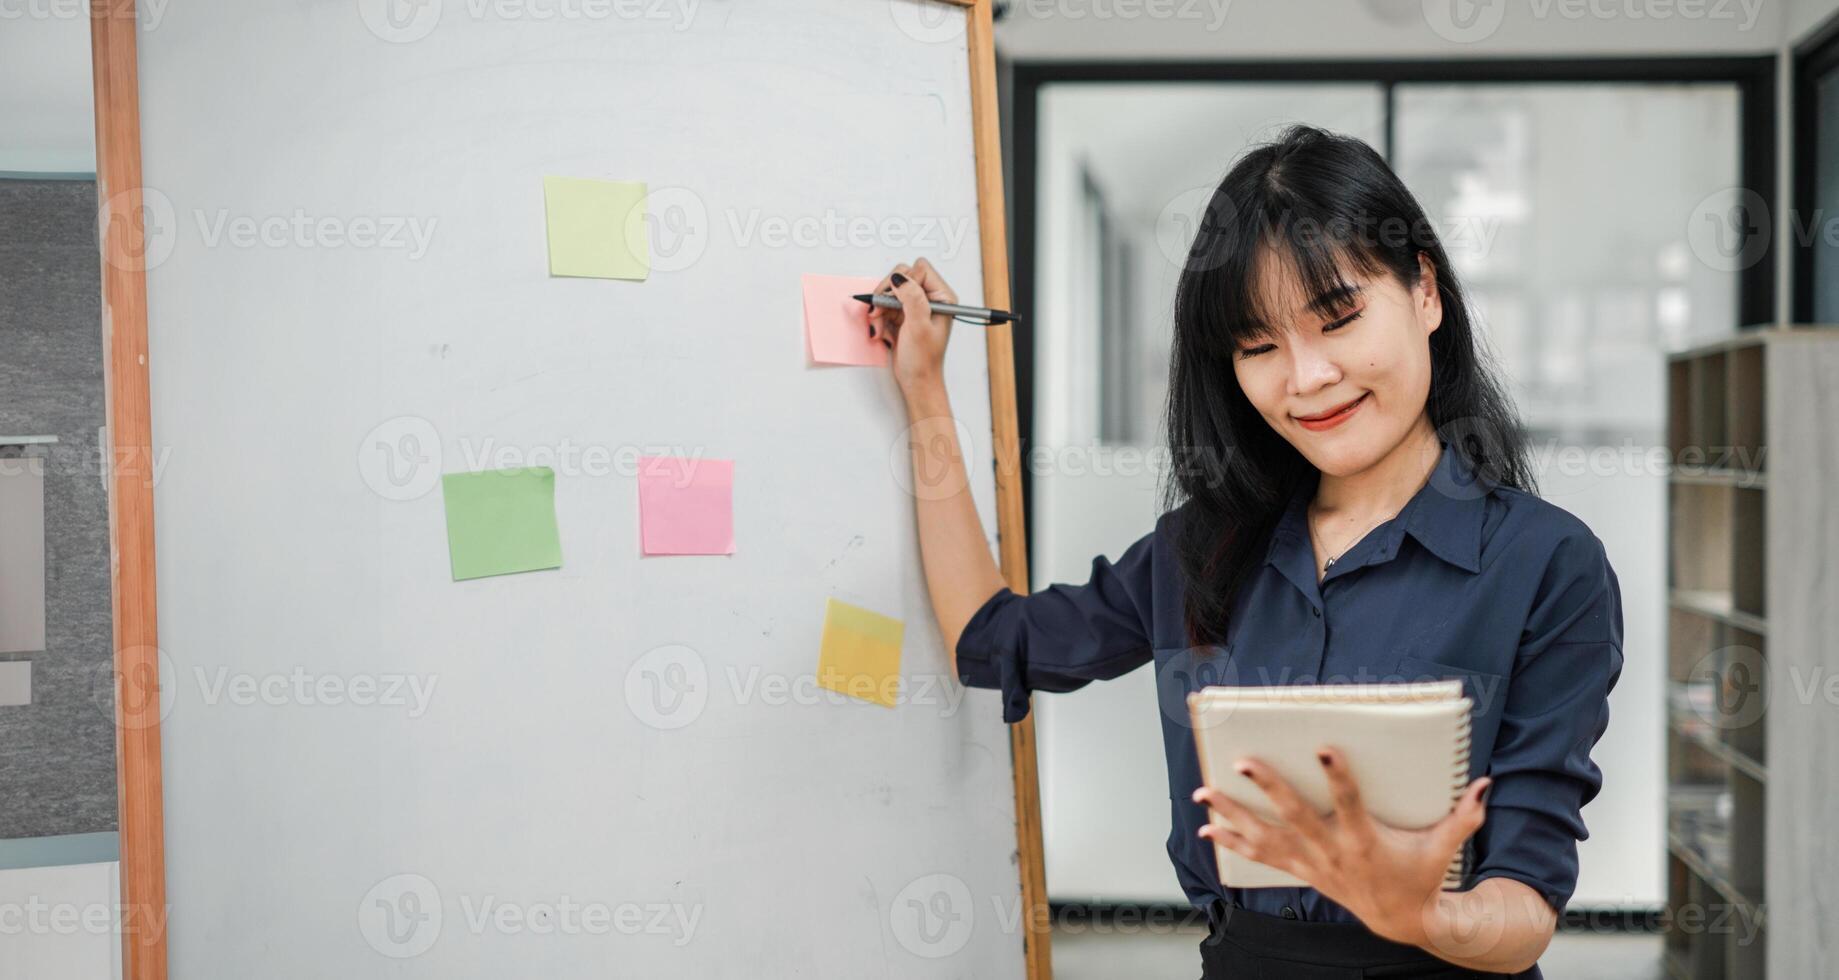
<point x="1332" y="558"/>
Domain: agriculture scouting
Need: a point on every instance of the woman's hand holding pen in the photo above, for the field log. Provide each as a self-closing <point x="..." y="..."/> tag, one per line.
<point x="915" y="334"/>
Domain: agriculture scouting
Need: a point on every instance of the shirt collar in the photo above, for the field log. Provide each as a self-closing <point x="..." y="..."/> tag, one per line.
<point x="1445" y="516"/>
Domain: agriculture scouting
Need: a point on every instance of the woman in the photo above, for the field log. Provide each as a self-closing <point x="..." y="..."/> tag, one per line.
<point x="1354" y="504"/>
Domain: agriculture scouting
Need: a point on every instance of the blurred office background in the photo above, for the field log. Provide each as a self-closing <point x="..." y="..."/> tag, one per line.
<point x="1574" y="164"/>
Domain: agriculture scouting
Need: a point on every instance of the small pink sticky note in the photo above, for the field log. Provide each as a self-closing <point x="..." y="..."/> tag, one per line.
<point x="686" y="506"/>
<point x="836" y="323"/>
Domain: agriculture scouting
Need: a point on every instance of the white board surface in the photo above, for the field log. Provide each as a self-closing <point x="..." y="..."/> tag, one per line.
<point x="620" y="768"/>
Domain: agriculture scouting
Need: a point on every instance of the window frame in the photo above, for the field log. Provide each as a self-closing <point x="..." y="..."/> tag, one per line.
<point x="1753" y="76"/>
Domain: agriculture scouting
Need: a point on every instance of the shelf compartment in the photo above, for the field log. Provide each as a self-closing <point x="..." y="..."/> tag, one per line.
<point x="1695" y="774"/>
<point x="1748" y="843"/>
<point x="1746" y="421"/>
<point x="1690" y="726"/>
<point x="1745" y="953"/>
<point x="1749" y="547"/>
<point x="1707" y="438"/>
<point x="1715" y="606"/>
<point x="1744" y="674"/>
<point x="1679" y="407"/>
<point x="1719" y="476"/>
<point x="1691" y="637"/>
<point x="1699" y="547"/>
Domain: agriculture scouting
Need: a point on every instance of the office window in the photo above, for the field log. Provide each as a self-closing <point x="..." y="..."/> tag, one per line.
<point x="1565" y="208"/>
<point x="22" y="553"/>
<point x="1817" y="189"/>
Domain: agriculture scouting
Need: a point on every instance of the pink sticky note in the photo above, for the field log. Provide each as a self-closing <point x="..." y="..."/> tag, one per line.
<point x="836" y="323"/>
<point x="686" y="506"/>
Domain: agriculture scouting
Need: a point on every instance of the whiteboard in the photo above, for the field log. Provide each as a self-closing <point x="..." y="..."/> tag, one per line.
<point x="371" y="770"/>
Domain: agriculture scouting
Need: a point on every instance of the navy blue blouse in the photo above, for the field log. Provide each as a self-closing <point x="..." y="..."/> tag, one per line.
<point x="1490" y="585"/>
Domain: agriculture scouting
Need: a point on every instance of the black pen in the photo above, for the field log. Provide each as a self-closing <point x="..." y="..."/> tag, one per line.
<point x="890" y="302"/>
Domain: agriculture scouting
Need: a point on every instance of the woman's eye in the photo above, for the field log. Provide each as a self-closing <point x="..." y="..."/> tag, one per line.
<point x="1344" y="321"/>
<point x="1245" y="352"/>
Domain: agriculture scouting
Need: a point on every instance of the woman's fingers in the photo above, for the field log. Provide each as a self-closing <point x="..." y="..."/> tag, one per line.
<point x="1249" y="834"/>
<point x="1294" y="810"/>
<point x="916" y="333"/>
<point x="1468" y="816"/>
<point x="1350" y="810"/>
<point x="1234" y="842"/>
<point x="906" y="285"/>
<point x="883" y="322"/>
<point x="931" y="282"/>
<point x="915" y="307"/>
<point x="1277" y="842"/>
<point x="1236" y="813"/>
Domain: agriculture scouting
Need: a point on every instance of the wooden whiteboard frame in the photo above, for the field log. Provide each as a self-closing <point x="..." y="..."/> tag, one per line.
<point x="129" y="474"/>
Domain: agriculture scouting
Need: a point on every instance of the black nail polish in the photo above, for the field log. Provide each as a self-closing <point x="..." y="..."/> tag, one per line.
<point x="898" y="279"/>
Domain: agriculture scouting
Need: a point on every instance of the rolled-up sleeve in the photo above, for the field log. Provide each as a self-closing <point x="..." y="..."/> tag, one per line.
<point x="1557" y="708"/>
<point x="1064" y="636"/>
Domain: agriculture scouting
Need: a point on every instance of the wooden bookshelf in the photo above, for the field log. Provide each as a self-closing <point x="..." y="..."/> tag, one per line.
<point x="1752" y="784"/>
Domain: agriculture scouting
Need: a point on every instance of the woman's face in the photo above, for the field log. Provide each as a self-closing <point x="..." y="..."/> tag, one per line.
<point x="1346" y="378"/>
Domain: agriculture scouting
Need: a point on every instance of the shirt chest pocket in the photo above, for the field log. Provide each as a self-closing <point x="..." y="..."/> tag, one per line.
<point x="1487" y="691"/>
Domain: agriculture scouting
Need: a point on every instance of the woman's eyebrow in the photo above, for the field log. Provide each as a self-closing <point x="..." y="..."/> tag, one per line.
<point x="1334" y="299"/>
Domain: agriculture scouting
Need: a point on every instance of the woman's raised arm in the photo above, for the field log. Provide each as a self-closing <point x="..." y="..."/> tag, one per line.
<point x="960" y="573"/>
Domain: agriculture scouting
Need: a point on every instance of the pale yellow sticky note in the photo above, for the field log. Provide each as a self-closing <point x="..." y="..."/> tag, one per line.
<point x="597" y="228"/>
<point x="861" y="653"/>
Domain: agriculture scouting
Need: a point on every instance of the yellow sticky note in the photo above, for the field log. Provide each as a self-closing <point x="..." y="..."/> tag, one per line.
<point x="597" y="228"/>
<point x="861" y="653"/>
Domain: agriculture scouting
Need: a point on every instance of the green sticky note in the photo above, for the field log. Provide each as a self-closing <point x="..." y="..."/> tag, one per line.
<point x="597" y="228"/>
<point x="501" y="521"/>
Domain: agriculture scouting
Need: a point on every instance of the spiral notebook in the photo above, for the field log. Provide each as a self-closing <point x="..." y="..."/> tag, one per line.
<point x="1406" y="744"/>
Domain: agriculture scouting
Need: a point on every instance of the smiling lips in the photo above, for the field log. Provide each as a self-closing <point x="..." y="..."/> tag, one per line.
<point x="1333" y="417"/>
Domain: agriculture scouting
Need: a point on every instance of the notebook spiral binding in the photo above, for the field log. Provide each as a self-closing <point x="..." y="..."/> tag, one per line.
<point x="1459" y="780"/>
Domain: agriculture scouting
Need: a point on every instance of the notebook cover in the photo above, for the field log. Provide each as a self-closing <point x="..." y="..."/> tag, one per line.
<point x="1406" y="744"/>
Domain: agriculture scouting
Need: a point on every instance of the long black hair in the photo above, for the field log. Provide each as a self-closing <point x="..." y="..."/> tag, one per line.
<point x="1326" y="203"/>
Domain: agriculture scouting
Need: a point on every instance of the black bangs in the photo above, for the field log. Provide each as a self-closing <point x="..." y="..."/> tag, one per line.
<point x="1274" y="240"/>
<point x="1293" y="230"/>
